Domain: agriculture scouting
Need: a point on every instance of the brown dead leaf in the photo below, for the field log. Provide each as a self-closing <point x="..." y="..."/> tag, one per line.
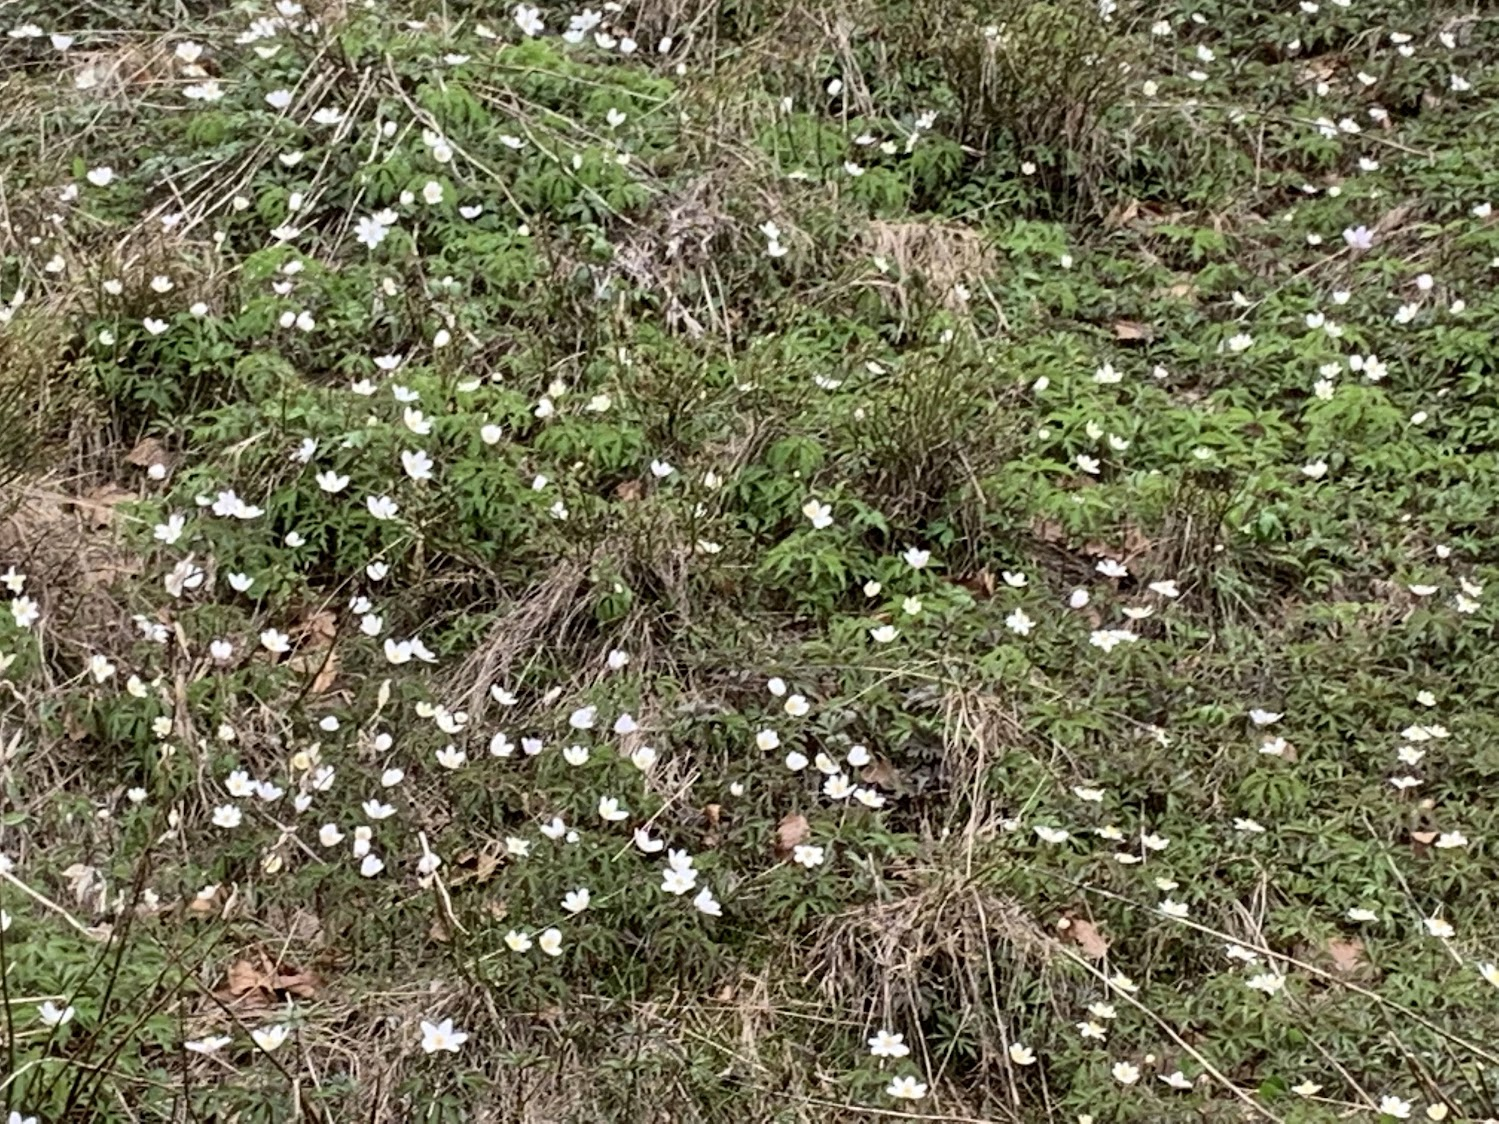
<point x="477" y="867"/>
<point x="1083" y="933"/>
<point x="791" y="832"/>
<point x="99" y="503"/>
<point x="319" y="628"/>
<point x="323" y="681"/>
<point x="1347" y="955"/>
<point x="629" y="491"/>
<point x="257" y="982"/>
<point x="73" y="726"/>
<point x="713" y="813"/>
<point x="203" y="904"/>
<point x="980" y="584"/>
<point x="1393" y="218"/>
<point x="1425" y="838"/>
<point x="87" y="885"/>
<point x="1133" y="330"/>
<point x="1050" y="531"/>
<point x="1122" y="215"/>
<point x="881" y="772"/>
<point x="147" y="452"/>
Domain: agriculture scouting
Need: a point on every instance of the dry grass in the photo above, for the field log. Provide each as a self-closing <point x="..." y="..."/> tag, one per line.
<point x="978" y="729"/>
<point x="931" y="254"/>
<point x="521" y="632"/>
<point x="947" y="941"/>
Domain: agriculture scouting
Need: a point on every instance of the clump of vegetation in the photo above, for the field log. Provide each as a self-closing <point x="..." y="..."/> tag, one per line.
<point x="691" y="562"/>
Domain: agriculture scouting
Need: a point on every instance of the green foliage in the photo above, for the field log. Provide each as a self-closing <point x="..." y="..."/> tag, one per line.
<point x="952" y="551"/>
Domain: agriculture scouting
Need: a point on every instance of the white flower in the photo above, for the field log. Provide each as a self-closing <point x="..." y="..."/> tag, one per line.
<point x="441" y="1036"/>
<point x="837" y="787"/>
<point x="370" y="231"/>
<point x="820" y="514"/>
<point x="227" y="816"/>
<point x="1125" y="1073"/>
<point x="1019" y="622"/>
<point x="886" y="1044"/>
<point x="1394" y="1106"/>
<point x="1022" y="1054"/>
<point x="529" y="20"/>
<point x="808" y="855"/>
<point x="610" y="811"/>
<point x="905" y="1089"/>
<point x="1052" y="834"/>
<point x="270" y="1037"/>
<point x="705" y="902"/>
<point x="418" y="464"/>
<point x="550" y="941"/>
<point x="1439" y="927"/>
<point x="371" y="865"/>
<point x="382" y="507"/>
<point x="517" y="941"/>
<point x="210" y="1045"/>
<point x="576" y="901"/>
<point x="1268" y="982"/>
<point x="53" y="1015"/>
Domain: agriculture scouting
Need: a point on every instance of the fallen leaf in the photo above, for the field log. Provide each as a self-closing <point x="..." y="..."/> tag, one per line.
<point x="881" y="772"/>
<point x="99" y="504"/>
<point x="1090" y="942"/>
<point x="148" y="451"/>
<point x="260" y="983"/>
<point x="320" y="627"/>
<point x="86" y="882"/>
<point x="1123" y="215"/>
<point x="477" y="867"/>
<point x="981" y="584"/>
<point x="629" y="491"/>
<point x="1133" y="330"/>
<point x="73" y="726"/>
<point x="321" y="665"/>
<point x="791" y="832"/>
<point x="1347" y="955"/>
<point x="323" y="681"/>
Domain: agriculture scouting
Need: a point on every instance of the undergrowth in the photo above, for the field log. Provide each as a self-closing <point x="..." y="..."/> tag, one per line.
<point x="702" y="562"/>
